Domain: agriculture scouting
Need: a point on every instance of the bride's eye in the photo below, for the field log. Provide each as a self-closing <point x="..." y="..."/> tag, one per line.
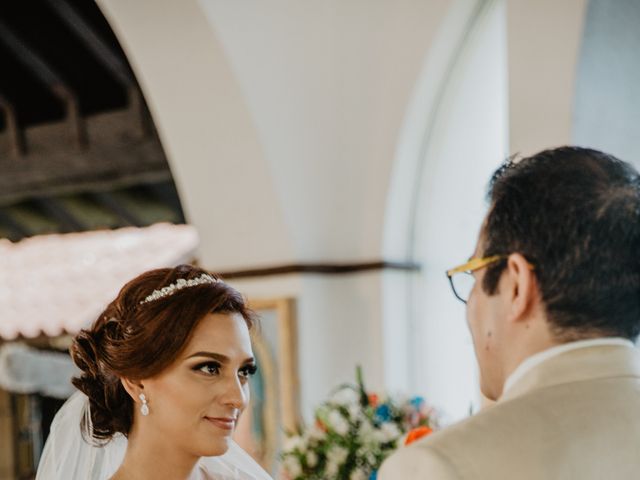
<point x="208" y="368"/>
<point x="248" y="371"/>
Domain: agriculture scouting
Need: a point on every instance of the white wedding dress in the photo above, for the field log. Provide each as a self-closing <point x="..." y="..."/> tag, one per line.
<point x="67" y="456"/>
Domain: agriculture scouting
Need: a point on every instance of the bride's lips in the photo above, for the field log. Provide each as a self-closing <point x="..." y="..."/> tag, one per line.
<point x="225" y="423"/>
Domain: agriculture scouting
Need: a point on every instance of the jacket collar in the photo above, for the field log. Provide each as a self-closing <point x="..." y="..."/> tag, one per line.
<point x="589" y="363"/>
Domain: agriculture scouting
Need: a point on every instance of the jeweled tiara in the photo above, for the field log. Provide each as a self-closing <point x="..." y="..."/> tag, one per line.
<point x="179" y="285"/>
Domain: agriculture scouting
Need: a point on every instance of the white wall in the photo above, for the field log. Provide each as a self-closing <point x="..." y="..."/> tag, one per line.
<point x="206" y="130"/>
<point x="467" y="142"/>
<point x="280" y="121"/>
<point x="296" y="131"/>
<point x="339" y="322"/>
<point x="327" y="84"/>
<point x="543" y="48"/>
<point x="607" y="97"/>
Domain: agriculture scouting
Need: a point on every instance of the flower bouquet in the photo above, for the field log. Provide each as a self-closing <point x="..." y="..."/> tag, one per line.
<point x="354" y="431"/>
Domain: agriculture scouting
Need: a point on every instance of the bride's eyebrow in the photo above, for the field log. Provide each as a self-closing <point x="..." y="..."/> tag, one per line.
<point x="220" y="357"/>
<point x="216" y="356"/>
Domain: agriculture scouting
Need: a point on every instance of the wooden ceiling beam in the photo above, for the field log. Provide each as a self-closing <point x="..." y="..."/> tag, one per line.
<point x="109" y="201"/>
<point x="56" y="209"/>
<point x="17" y="229"/>
<point x="46" y="74"/>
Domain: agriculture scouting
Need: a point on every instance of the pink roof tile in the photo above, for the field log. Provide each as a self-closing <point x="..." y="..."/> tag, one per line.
<point x="55" y="284"/>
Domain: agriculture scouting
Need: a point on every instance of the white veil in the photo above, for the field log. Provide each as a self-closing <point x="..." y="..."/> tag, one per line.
<point x="67" y="456"/>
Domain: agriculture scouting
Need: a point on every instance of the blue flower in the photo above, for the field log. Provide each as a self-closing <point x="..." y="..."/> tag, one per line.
<point x="417" y="402"/>
<point x="374" y="475"/>
<point x="383" y="412"/>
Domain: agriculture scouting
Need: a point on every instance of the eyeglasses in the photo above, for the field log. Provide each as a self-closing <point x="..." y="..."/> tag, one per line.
<point x="461" y="278"/>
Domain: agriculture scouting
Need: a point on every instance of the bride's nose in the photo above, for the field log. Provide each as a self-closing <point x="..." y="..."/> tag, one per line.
<point x="235" y="393"/>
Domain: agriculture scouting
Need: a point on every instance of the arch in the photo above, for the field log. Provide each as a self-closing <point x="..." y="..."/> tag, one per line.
<point x="454" y="135"/>
<point x="205" y="128"/>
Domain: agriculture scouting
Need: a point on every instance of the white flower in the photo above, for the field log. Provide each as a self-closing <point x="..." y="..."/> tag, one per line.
<point x="331" y="469"/>
<point x="335" y="458"/>
<point x="315" y="434"/>
<point x="358" y="474"/>
<point x="367" y="432"/>
<point x="355" y="412"/>
<point x="389" y="432"/>
<point x="391" y="429"/>
<point x="337" y="454"/>
<point x="338" y="423"/>
<point x="312" y="459"/>
<point x="345" y="397"/>
<point x="292" y="466"/>
<point x="367" y="455"/>
<point x="294" y="442"/>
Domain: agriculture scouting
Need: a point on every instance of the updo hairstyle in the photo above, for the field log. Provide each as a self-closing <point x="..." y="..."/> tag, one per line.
<point x="137" y="340"/>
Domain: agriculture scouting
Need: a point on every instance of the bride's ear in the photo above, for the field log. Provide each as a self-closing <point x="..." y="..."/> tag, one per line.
<point x="133" y="388"/>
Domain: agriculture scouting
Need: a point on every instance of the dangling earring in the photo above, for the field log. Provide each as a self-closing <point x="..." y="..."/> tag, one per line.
<point x="144" y="409"/>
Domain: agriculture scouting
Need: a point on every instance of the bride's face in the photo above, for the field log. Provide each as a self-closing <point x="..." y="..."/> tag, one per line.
<point x="195" y="403"/>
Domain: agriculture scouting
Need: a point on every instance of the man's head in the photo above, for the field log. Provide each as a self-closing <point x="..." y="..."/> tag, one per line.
<point x="567" y="223"/>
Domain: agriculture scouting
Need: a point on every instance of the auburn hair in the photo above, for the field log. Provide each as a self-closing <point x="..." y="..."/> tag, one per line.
<point x="137" y="340"/>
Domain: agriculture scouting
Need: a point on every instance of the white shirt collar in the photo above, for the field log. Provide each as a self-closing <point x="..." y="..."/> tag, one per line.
<point x="537" y="358"/>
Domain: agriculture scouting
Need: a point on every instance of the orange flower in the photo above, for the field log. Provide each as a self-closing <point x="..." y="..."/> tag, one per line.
<point x="373" y="399"/>
<point x="321" y="425"/>
<point x="417" y="434"/>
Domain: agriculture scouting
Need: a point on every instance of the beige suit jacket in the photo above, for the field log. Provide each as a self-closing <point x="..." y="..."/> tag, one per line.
<point x="575" y="416"/>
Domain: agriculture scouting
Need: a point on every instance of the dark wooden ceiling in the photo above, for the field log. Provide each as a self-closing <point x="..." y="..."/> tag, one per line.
<point x="78" y="150"/>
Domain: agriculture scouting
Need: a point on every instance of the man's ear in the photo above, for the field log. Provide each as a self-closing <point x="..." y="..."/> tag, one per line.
<point x="523" y="287"/>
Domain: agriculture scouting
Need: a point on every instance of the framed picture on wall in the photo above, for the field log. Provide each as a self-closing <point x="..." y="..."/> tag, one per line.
<point x="274" y="408"/>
